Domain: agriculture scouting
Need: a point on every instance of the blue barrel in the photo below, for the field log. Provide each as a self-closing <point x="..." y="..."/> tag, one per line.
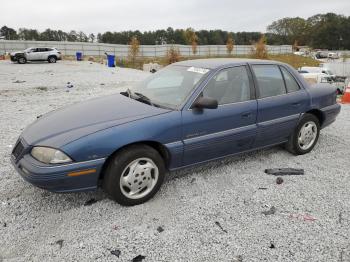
<point x="110" y="60"/>
<point x="79" y="56"/>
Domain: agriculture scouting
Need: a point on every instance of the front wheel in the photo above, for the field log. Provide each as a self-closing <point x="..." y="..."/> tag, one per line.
<point x="22" y="60"/>
<point x="305" y="135"/>
<point x="134" y="175"/>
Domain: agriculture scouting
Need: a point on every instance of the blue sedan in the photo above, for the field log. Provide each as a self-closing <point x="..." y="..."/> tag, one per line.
<point x="188" y="113"/>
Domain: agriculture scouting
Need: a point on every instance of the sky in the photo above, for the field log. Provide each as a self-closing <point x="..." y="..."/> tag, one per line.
<point x="93" y="16"/>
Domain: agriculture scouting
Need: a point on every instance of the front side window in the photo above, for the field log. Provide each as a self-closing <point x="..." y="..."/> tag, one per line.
<point x="171" y="85"/>
<point x="291" y="84"/>
<point x="230" y="85"/>
<point x="270" y="80"/>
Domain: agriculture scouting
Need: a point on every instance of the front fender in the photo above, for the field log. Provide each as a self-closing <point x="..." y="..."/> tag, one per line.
<point x="164" y="129"/>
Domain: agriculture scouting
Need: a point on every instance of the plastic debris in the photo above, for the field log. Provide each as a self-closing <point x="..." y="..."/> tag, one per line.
<point x="279" y="180"/>
<point x="284" y="171"/>
<point x="271" y="211"/>
<point x="219" y="225"/>
<point x="304" y="217"/>
<point x="59" y="243"/>
<point x="139" y="258"/>
<point x="116" y="252"/>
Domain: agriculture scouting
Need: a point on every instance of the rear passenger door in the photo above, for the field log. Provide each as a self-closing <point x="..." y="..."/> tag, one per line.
<point x="280" y="103"/>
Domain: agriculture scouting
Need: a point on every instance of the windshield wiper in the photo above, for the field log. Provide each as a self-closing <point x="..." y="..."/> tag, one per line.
<point x="144" y="98"/>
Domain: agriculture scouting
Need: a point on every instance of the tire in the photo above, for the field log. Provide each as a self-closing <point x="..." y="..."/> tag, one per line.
<point x="21" y="60"/>
<point x="146" y="179"/>
<point x="52" y="59"/>
<point x="302" y="142"/>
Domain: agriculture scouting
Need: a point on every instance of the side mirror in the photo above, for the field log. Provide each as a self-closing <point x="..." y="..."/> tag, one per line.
<point x="205" y="102"/>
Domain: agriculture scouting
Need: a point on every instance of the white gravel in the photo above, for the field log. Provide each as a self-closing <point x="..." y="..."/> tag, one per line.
<point x="36" y="225"/>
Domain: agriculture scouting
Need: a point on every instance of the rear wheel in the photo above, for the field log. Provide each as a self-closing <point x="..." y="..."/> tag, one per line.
<point x="21" y="60"/>
<point x="134" y="175"/>
<point x="305" y="135"/>
<point x="52" y="59"/>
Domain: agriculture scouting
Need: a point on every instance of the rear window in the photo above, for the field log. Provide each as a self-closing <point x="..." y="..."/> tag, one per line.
<point x="270" y="80"/>
<point x="291" y="84"/>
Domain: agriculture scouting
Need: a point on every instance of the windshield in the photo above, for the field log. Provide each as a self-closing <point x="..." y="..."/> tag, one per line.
<point x="170" y="86"/>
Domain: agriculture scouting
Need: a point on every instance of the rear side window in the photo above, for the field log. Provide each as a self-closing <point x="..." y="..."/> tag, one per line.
<point x="291" y="84"/>
<point x="270" y="80"/>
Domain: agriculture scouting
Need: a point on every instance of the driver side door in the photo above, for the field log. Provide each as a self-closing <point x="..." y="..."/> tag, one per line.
<point x="33" y="54"/>
<point x="228" y="129"/>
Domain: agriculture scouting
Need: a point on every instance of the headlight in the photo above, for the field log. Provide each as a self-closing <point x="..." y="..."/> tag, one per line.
<point x="49" y="155"/>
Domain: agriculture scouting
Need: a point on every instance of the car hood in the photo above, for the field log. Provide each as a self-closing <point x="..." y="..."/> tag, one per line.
<point x="65" y="125"/>
<point x="15" y="53"/>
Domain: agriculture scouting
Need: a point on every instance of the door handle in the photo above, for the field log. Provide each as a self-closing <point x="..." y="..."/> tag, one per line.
<point x="246" y="115"/>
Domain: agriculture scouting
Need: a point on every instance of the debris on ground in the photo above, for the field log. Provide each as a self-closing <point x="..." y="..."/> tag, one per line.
<point x="193" y="180"/>
<point x="90" y="202"/>
<point x="18" y="82"/>
<point x="272" y="245"/>
<point x="284" y="171"/>
<point x="139" y="258"/>
<point x="59" y="243"/>
<point x="4" y="225"/>
<point x="69" y="85"/>
<point x="116" y="252"/>
<point x="271" y="211"/>
<point x="42" y="88"/>
<point x="303" y="217"/>
<point x="160" y="229"/>
<point x="279" y="180"/>
<point x="238" y="258"/>
<point x="262" y="188"/>
<point x="219" y="225"/>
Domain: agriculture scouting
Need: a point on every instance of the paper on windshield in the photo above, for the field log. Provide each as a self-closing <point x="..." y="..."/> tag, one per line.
<point x="198" y="70"/>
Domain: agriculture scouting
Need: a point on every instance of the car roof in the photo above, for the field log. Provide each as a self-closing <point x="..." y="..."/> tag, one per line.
<point x="212" y="63"/>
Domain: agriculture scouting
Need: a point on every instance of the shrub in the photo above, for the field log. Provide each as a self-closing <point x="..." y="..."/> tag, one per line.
<point x="134" y="49"/>
<point x="260" y="50"/>
<point x="230" y="44"/>
<point x="173" y="55"/>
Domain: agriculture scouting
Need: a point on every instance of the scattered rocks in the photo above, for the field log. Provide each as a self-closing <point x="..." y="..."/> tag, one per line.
<point x="139" y="258"/>
<point x="116" y="252"/>
<point x="160" y="229"/>
<point x="269" y="212"/>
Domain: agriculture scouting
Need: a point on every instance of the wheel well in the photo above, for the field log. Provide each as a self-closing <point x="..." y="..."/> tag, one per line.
<point x="52" y="56"/>
<point x="318" y="114"/>
<point x="161" y="149"/>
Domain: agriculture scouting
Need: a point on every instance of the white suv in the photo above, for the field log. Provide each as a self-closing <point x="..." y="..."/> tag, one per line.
<point x="36" y="54"/>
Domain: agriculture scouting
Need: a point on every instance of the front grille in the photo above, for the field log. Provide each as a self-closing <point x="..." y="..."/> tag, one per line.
<point x="18" y="150"/>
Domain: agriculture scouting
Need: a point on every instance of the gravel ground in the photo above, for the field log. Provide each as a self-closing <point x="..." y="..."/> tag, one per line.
<point x="210" y="213"/>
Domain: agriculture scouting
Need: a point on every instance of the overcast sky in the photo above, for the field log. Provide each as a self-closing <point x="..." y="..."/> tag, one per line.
<point x="118" y="15"/>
